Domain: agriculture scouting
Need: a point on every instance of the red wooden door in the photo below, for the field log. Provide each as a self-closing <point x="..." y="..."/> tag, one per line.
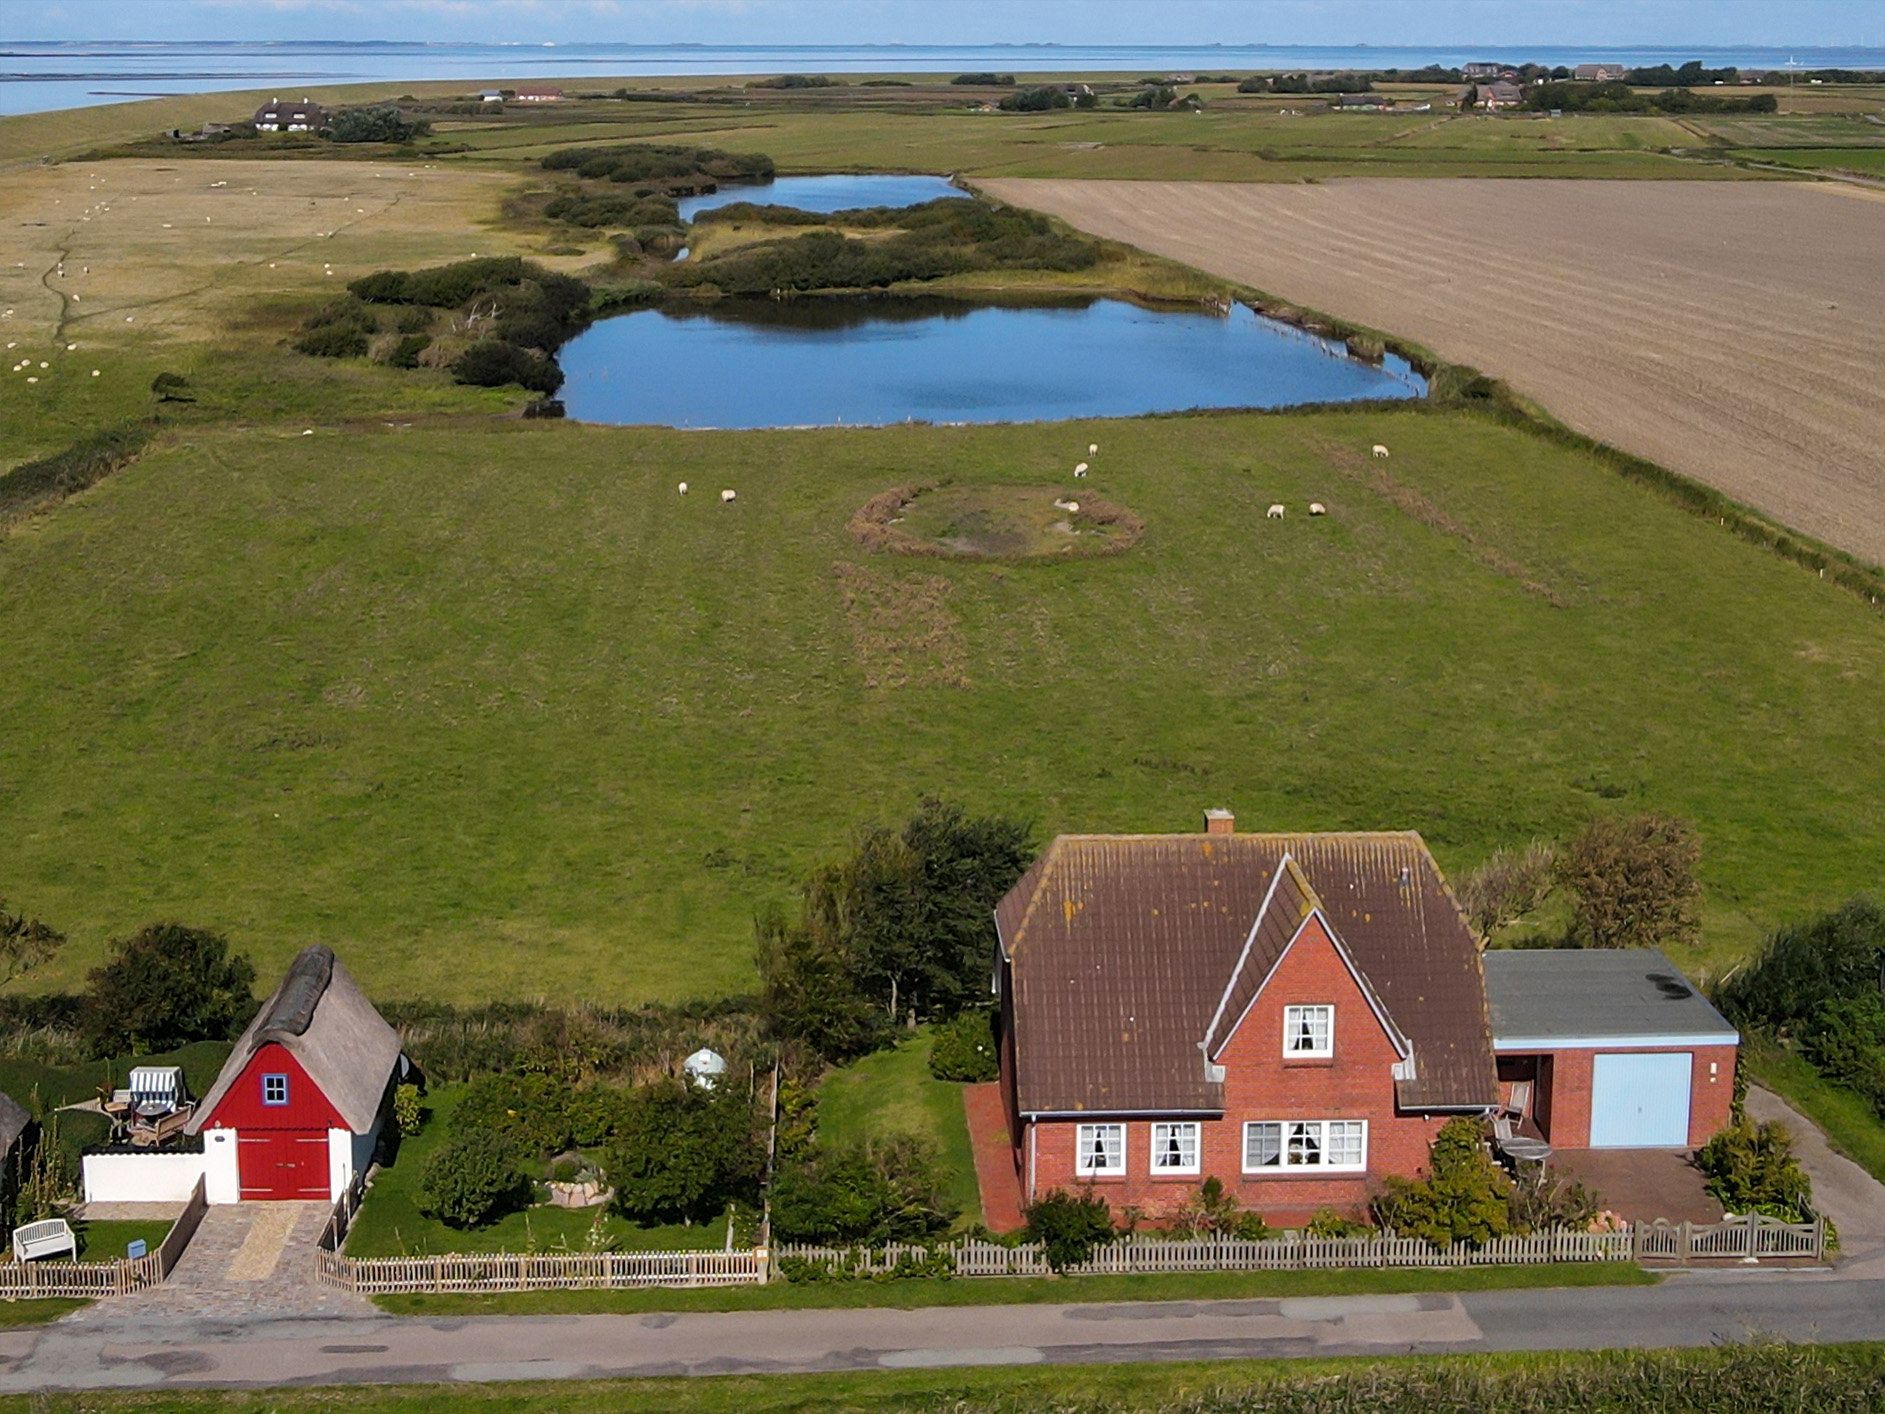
<point x="277" y="1164"/>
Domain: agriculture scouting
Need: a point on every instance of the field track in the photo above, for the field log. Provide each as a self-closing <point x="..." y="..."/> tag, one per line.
<point x="1731" y="331"/>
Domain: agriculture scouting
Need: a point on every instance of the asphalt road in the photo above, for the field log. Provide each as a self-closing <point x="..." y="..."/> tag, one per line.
<point x="1688" y="1309"/>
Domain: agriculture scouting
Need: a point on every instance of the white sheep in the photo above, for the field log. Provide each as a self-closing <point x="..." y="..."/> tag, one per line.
<point x="682" y="488"/>
<point x="1066" y="505"/>
<point x="1275" y="512"/>
<point x="1079" y="469"/>
<point x="1092" y="449"/>
<point x="1380" y="451"/>
<point x="726" y="496"/>
<point x="1316" y="508"/>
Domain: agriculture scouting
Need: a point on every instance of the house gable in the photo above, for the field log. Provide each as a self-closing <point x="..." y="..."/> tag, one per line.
<point x="241" y="1105"/>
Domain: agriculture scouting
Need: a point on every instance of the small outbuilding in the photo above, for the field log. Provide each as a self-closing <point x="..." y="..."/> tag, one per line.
<point x="1608" y="1049"/>
<point x="297" y="1110"/>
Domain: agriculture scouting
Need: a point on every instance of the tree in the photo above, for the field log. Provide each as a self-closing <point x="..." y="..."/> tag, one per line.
<point x="471" y="1180"/>
<point x="382" y="123"/>
<point x="165" y="986"/>
<point x="683" y="1152"/>
<point x="808" y="993"/>
<point x="1632" y="881"/>
<point x="1464" y="1197"/>
<point x="25" y="943"/>
<point x="1507" y="887"/>
<point x="888" y="1190"/>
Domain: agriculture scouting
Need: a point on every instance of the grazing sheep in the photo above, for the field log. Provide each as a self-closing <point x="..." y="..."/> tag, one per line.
<point x="1316" y="508"/>
<point x="1079" y="469"/>
<point x="1379" y="450"/>
<point x="682" y="488"/>
<point x="726" y="496"/>
<point x="1092" y="449"/>
<point x="1275" y="513"/>
<point x="1066" y="505"/>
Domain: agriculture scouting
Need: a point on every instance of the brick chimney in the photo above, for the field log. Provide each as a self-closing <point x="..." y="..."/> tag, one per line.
<point x="1219" y="822"/>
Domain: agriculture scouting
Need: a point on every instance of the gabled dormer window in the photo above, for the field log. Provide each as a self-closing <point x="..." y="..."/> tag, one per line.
<point x="1308" y="1032"/>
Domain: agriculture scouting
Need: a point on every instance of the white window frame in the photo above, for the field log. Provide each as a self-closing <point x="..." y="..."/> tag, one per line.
<point x="1293" y="1018"/>
<point x="1181" y="1129"/>
<point x="1084" y="1139"/>
<point x="1304" y="1133"/>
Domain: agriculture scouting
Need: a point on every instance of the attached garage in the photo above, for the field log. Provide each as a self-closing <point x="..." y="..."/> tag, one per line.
<point x="1608" y="1049"/>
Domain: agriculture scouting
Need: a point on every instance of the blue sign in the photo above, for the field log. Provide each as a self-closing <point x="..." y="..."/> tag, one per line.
<point x="136" y="1248"/>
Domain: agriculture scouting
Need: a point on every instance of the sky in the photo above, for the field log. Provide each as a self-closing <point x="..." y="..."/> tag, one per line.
<point x="1597" y="23"/>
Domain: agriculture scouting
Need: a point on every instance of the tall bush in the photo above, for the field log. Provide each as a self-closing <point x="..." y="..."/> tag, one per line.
<point x="889" y="1190"/>
<point x="1751" y="1168"/>
<point x="1464" y="1196"/>
<point x="25" y="943"/>
<point x="1632" y="881"/>
<point x="1069" y="1226"/>
<point x="165" y="986"/>
<point x="473" y="1179"/>
<point x="1804" y="966"/>
<point x="964" y="1049"/>
<point x="684" y="1153"/>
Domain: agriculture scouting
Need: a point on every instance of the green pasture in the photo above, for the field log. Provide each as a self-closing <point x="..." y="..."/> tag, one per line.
<point x="893" y="1092"/>
<point x="493" y="711"/>
<point x="1867" y="160"/>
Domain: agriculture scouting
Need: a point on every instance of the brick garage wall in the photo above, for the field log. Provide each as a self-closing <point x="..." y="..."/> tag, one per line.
<point x="1710" y="1096"/>
<point x="1259" y="1084"/>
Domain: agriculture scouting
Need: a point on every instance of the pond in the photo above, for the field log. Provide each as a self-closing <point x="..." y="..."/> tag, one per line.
<point x="817" y="362"/>
<point x="837" y="192"/>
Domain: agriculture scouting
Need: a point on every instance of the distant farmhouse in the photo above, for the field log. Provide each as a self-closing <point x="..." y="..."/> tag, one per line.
<point x="1494" y="96"/>
<point x="1598" y="73"/>
<point x="1367" y="102"/>
<point x="539" y="95"/>
<point x="1481" y="71"/>
<point x="295" y="116"/>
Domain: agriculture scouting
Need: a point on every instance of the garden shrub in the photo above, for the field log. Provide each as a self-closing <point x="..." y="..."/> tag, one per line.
<point x="1543" y="1201"/>
<point x="888" y="1190"/>
<point x="1326" y="1222"/>
<point x="531" y="1114"/>
<point x="684" y="1153"/>
<point x="25" y="943"/>
<point x="1751" y="1168"/>
<point x="1464" y="1197"/>
<point x="1069" y="1226"/>
<point x="1806" y="965"/>
<point x="471" y="1180"/>
<point x="1632" y="881"/>
<point x="964" y="1049"/>
<point x="409" y="1111"/>
<point x="165" y="986"/>
<point x="1213" y="1212"/>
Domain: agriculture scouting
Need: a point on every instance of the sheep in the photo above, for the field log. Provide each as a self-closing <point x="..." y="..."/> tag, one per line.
<point x="1079" y="469"/>
<point x="1316" y="508"/>
<point x="1380" y="451"/>
<point x="1092" y="449"/>
<point x="1275" y="513"/>
<point x="682" y="488"/>
<point x="726" y="497"/>
<point x="1066" y="505"/>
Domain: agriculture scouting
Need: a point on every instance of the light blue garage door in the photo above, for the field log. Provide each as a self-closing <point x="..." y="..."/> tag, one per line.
<point x="1640" y="1101"/>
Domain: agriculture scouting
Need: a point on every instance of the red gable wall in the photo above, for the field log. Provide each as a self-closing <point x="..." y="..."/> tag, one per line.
<point x="307" y="1108"/>
<point x="1357" y="1082"/>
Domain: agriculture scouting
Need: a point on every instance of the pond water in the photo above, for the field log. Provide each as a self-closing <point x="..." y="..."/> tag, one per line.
<point x="816" y="362"/>
<point x="837" y="192"/>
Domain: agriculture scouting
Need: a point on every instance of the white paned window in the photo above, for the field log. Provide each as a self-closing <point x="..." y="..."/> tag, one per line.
<point x="1308" y="1031"/>
<point x="1263" y="1146"/>
<point x="1102" y="1149"/>
<point x="1175" y="1148"/>
<point x="1326" y="1144"/>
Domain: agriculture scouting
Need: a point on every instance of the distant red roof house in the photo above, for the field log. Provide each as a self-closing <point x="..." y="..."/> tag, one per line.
<point x="539" y="95"/>
<point x="1494" y="96"/>
<point x="1597" y="73"/>
<point x="1294" y="1014"/>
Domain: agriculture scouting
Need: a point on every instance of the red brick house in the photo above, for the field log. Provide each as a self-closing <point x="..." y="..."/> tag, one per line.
<point x="1297" y="1015"/>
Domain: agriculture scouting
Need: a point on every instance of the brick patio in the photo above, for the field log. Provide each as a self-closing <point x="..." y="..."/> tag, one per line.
<point x="1642" y="1185"/>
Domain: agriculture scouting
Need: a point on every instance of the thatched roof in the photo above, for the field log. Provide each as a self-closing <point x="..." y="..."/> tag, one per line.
<point x="321" y="1018"/>
<point x="13" y="1122"/>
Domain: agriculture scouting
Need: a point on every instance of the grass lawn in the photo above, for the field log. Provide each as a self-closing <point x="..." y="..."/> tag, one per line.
<point x="893" y="1091"/>
<point x="1850" y="1124"/>
<point x="105" y="1241"/>
<point x="36" y="1311"/>
<point x="1028" y="1291"/>
<point x="390" y="1224"/>
<point x="493" y="693"/>
<point x="69" y="1084"/>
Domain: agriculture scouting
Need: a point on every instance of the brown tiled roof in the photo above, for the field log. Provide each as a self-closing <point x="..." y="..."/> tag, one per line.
<point x="1124" y="948"/>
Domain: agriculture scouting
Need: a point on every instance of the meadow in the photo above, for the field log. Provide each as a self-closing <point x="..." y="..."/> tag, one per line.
<point x="492" y="710"/>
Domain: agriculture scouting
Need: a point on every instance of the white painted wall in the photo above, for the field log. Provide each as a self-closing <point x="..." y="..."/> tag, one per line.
<point x="222" y="1175"/>
<point x="348" y="1155"/>
<point x="141" y="1178"/>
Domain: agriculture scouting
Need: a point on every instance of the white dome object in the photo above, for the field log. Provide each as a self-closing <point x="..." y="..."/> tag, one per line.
<point x="704" y="1068"/>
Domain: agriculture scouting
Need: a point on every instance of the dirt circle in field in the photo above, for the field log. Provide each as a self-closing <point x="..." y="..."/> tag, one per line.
<point x="957" y="522"/>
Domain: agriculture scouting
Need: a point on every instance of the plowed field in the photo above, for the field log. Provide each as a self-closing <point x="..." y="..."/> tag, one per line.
<point x="1731" y="331"/>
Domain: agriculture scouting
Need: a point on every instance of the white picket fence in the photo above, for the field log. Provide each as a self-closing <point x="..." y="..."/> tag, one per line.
<point x="115" y="1278"/>
<point x="469" y="1274"/>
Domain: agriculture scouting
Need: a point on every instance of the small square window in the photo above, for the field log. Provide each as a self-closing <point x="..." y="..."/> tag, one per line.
<point x="1263" y="1146"/>
<point x="1305" y="1144"/>
<point x="1308" y="1031"/>
<point x="1175" y="1148"/>
<point x="274" y="1089"/>
<point x="1102" y="1149"/>
<point x="1347" y="1144"/>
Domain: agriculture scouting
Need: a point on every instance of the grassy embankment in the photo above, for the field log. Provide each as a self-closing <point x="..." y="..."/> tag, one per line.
<point x="1850" y="1125"/>
<point x="494" y="693"/>
<point x="1762" y="1379"/>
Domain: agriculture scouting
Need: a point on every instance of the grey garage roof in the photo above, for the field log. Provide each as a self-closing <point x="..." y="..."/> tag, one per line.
<point x="1550" y="998"/>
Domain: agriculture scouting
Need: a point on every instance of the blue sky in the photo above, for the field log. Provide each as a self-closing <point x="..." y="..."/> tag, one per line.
<point x="1322" y="22"/>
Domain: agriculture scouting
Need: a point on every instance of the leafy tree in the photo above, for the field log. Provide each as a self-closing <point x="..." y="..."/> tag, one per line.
<point x="964" y="1049"/>
<point x="1751" y="1168"/>
<point x="1632" y="881"/>
<point x="683" y="1152"/>
<point x="1507" y="887"/>
<point x="472" y="1179"/>
<point x="889" y="1190"/>
<point x="382" y="123"/>
<point x="165" y="986"/>
<point x="1069" y="1226"/>
<point x="1464" y="1197"/>
<point x="25" y="943"/>
<point x="809" y="994"/>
